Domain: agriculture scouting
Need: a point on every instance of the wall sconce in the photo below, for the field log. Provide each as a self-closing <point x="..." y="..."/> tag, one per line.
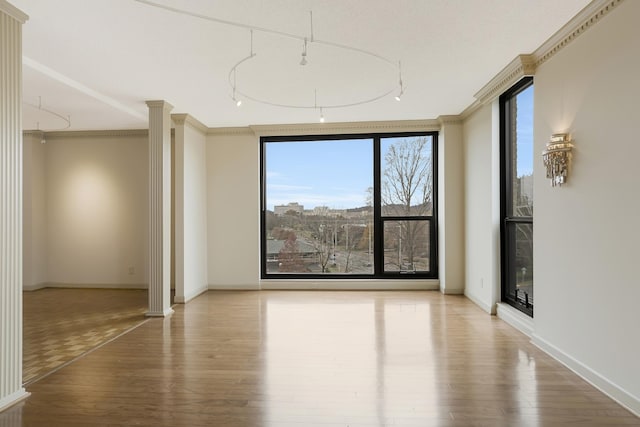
<point x="557" y="158"/>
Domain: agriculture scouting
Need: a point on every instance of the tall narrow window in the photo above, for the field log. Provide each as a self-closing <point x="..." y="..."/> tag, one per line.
<point x="349" y="206"/>
<point x="516" y="108"/>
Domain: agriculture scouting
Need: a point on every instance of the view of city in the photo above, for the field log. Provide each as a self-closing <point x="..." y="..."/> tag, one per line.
<point x="305" y="231"/>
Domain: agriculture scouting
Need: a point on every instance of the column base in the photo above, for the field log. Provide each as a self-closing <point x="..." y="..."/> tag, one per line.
<point x="164" y="313"/>
<point x="14" y="398"/>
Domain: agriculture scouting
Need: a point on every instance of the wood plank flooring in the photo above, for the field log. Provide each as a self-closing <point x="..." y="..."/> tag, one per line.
<point x="62" y="324"/>
<point x="283" y="358"/>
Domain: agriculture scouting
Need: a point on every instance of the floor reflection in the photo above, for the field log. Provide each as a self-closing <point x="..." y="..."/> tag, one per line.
<point x="366" y="356"/>
<point x="330" y="359"/>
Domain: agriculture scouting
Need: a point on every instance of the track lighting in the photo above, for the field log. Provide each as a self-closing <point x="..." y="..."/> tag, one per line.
<point x="331" y="53"/>
<point x="321" y="116"/>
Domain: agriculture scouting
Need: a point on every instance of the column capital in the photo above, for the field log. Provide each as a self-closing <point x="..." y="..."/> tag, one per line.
<point x="159" y="104"/>
<point x="8" y="9"/>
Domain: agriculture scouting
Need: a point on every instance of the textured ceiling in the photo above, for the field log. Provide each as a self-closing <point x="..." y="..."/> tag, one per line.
<point x="97" y="61"/>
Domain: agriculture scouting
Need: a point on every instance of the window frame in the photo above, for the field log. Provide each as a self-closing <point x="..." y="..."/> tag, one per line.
<point x="509" y="221"/>
<point x="378" y="218"/>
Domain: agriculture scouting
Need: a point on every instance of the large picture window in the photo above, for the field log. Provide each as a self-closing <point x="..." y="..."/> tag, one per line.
<point x="349" y="206"/>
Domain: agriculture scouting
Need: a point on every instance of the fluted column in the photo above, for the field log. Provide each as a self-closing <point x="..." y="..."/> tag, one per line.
<point x="11" y="20"/>
<point x="159" y="208"/>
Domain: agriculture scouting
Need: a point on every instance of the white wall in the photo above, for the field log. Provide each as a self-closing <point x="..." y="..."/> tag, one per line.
<point x="586" y="234"/>
<point x="451" y="252"/>
<point x="96" y="210"/>
<point x="233" y="227"/>
<point x="191" y="212"/>
<point x="480" y="249"/>
<point x="34" y="213"/>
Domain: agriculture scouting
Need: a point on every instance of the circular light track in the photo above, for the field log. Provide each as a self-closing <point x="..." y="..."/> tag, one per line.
<point x="308" y="39"/>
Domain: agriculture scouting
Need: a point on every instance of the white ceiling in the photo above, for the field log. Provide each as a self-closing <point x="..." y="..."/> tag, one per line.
<point x="97" y="61"/>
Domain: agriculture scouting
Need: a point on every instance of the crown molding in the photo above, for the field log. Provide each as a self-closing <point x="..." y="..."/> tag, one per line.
<point x="347" y="127"/>
<point x="526" y="65"/>
<point x="450" y="120"/>
<point x="580" y="23"/>
<point x="231" y="131"/>
<point x="36" y="133"/>
<point x="182" y="119"/>
<point x="90" y="133"/>
<point x="521" y="66"/>
<point x="471" y="110"/>
<point x="14" y="12"/>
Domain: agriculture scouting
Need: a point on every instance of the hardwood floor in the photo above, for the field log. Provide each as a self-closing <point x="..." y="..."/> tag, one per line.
<point x="283" y="358"/>
<point x="62" y="324"/>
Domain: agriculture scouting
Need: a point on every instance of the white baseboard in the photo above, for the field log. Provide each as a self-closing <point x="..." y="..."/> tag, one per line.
<point x="243" y="287"/>
<point x="12" y="399"/>
<point x="515" y="318"/>
<point x="617" y="393"/>
<point x="179" y="299"/>
<point x="34" y="286"/>
<point x="483" y="305"/>
<point x="351" y="285"/>
<point x="452" y="291"/>
<point x="96" y="285"/>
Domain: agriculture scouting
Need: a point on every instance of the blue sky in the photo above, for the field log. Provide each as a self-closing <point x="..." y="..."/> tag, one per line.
<point x="524" y="130"/>
<point x="319" y="173"/>
<point x="337" y="174"/>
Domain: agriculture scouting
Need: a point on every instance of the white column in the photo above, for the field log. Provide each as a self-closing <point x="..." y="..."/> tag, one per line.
<point x="159" y="208"/>
<point x="11" y="20"/>
<point x="451" y="206"/>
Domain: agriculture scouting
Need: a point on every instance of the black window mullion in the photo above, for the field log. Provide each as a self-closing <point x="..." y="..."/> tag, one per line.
<point x="378" y="252"/>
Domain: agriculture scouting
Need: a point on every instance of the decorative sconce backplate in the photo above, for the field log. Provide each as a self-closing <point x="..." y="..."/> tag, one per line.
<point x="557" y="158"/>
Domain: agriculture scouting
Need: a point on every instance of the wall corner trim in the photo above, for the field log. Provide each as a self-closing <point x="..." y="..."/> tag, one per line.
<point x="608" y="387"/>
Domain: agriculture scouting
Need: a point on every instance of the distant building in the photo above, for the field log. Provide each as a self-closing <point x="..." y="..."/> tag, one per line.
<point x="283" y="209"/>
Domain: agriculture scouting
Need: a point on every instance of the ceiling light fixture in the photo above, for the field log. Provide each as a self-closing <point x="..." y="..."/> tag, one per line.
<point x="374" y="94"/>
<point x="399" y="95"/>
<point x="304" y="53"/>
<point x="315" y="103"/>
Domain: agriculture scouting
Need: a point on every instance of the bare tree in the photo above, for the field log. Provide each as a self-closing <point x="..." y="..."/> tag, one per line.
<point x="323" y="246"/>
<point x="407" y="189"/>
<point x="407" y="185"/>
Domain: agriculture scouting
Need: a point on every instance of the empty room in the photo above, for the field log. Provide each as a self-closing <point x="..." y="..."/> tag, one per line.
<point x="319" y="213"/>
